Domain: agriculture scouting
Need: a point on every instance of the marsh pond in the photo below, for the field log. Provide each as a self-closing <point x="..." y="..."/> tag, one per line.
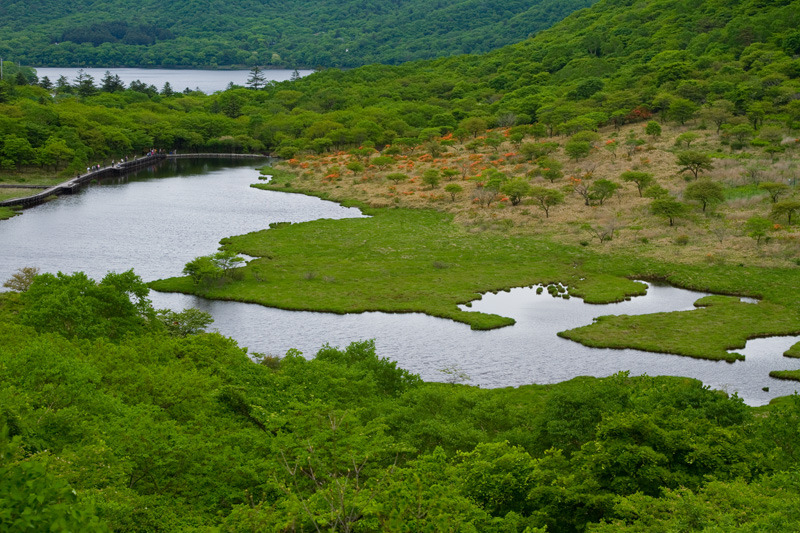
<point x="158" y="219"/>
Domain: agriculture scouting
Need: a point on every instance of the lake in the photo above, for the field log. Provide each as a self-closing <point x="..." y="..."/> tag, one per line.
<point x="207" y="81"/>
<point x="157" y="220"/>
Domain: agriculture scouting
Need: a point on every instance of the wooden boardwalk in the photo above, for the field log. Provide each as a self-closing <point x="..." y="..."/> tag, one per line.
<point x="73" y="185"/>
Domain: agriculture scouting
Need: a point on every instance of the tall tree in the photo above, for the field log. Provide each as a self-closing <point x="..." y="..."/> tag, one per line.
<point x="256" y="79"/>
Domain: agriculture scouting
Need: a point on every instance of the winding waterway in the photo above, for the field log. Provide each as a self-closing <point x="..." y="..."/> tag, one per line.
<point x="157" y="220"/>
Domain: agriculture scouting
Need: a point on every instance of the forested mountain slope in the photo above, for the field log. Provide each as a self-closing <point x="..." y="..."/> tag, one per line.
<point x="286" y="33"/>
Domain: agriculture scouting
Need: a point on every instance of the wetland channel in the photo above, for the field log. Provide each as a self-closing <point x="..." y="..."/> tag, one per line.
<point x="156" y="220"/>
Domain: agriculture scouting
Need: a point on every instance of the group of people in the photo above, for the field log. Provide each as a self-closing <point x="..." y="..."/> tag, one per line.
<point x="117" y="164"/>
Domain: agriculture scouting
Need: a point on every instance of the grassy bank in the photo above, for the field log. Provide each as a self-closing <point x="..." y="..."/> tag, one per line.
<point x="792" y="375"/>
<point x="719" y="324"/>
<point x="398" y="260"/>
<point x="427" y="250"/>
<point x="404" y="260"/>
<point x="7" y="212"/>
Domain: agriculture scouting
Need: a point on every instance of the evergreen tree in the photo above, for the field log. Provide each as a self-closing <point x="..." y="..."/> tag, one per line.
<point x="256" y="79"/>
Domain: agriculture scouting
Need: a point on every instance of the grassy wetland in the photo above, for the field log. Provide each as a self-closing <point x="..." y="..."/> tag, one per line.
<point x="447" y="224"/>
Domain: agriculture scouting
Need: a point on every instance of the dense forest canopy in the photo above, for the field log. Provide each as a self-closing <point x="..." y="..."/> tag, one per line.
<point x="288" y="33"/>
<point x="617" y="63"/>
<point x="123" y="424"/>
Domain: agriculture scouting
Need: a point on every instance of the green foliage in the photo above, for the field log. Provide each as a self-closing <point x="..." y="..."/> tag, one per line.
<point x="187" y="322"/>
<point x="643" y="180"/>
<point x="694" y="162"/>
<point x="453" y="189"/>
<point x="706" y="192"/>
<point x="157" y="432"/>
<point x="757" y="227"/>
<point x="322" y="33"/>
<point x="207" y="270"/>
<point x="785" y="208"/>
<point x="32" y="498"/>
<point x="431" y="178"/>
<point x="577" y="149"/>
<point x="546" y="198"/>
<point x="516" y="189"/>
<point x="361" y="357"/>
<point x="76" y="306"/>
<point x="668" y="208"/>
<point x="601" y="190"/>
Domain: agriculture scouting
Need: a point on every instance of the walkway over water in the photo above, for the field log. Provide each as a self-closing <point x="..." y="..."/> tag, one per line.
<point x="73" y="185"/>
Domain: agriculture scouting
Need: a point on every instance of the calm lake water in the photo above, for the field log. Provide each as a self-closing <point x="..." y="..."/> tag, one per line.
<point x="207" y="81"/>
<point x="158" y="220"/>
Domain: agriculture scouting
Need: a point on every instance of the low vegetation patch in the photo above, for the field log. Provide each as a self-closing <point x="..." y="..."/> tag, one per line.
<point x="792" y="375"/>
<point x="719" y="324"/>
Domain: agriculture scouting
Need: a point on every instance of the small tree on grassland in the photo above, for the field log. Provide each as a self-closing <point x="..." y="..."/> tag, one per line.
<point x="706" y="192"/>
<point x="694" y="162"/>
<point x="516" y="189"/>
<point x="785" y="208"/>
<point x="669" y="208"/>
<point x="397" y="177"/>
<point x="757" y="228"/>
<point x="431" y="178"/>
<point x="453" y="189"/>
<point x="546" y="198"/>
<point x="775" y="190"/>
<point x="641" y="179"/>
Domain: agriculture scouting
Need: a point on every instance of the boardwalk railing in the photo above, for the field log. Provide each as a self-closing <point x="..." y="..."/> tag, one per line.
<point x="73" y="185"/>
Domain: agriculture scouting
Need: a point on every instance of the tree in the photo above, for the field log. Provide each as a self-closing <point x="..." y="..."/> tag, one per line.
<point x="190" y="321"/>
<point x="22" y="279"/>
<point x="577" y="149"/>
<point x="774" y="189"/>
<point x="257" y="78"/>
<point x="355" y="167"/>
<point x="397" y="177"/>
<point x="474" y="125"/>
<point x="17" y="151"/>
<point x="55" y="152"/>
<point x="516" y="189"/>
<point x="706" y="192"/>
<point x="641" y="179"/>
<point x="602" y="189"/>
<point x="453" y="189"/>
<point x="111" y="83"/>
<point x="603" y="231"/>
<point x="203" y="270"/>
<point x="694" y="162"/>
<point x="84" y="84"/>
<point x="546" y="198"/>
<point x="431" y="178"/>
<point x="719" y="112"/>
<point x="757" y="228"/>
<point x="167" y="90"/>
<point x="785" y="208"/>
<point x="383" y="161"/>
<point x="77" y="306"/>
<point x="632" y="142"/>
<point x="681" y="110"/>
<point x="686" y="138"/>
<point x="653" y="129"/>
<point x="668" y="208"/>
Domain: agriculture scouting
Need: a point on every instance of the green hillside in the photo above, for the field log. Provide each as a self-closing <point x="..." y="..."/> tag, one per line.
<point x="288" y="33"/>
<point x="116" y="422"/>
